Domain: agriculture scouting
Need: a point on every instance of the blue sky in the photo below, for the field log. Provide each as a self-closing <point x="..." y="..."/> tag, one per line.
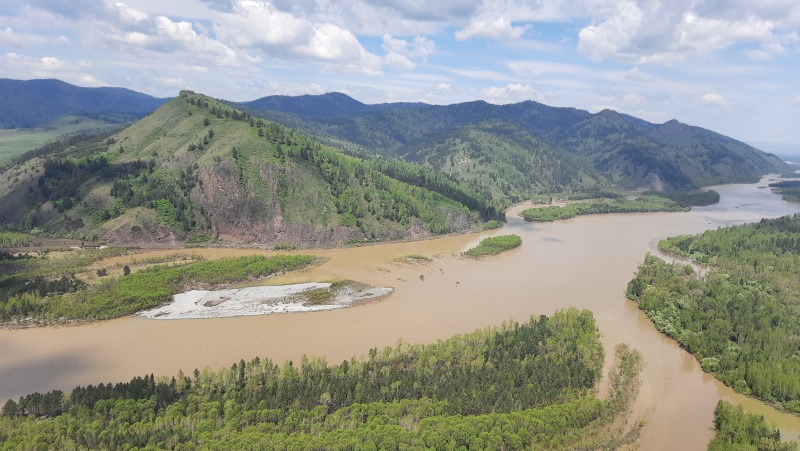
<point x="732" y="66"/>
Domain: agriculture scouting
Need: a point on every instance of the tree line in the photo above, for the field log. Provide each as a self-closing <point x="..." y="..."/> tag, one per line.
<point x="646" y="204"/>
<point x="511" y="387"/>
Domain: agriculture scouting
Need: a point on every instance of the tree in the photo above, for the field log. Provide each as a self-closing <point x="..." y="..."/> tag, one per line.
<point x="10" y="409"/>
<point x="126" y="271"/>
<point x="206" y="122"/>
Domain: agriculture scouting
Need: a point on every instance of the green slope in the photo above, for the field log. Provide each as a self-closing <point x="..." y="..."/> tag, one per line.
<point x="198" y="169"/>
<point x="627" y="151"/>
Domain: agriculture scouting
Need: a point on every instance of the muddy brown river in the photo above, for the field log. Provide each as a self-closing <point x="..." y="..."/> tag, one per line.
<point x="584" y="262"/>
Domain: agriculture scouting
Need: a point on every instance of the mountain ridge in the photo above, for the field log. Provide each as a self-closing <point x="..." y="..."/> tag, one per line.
<point x="331" y="104"/>
<point x="29" y="103"/>
<point x="631" y="152"/>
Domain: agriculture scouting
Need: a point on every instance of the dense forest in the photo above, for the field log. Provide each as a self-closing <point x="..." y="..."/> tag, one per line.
<point x="28" y="293"/>
<point x="788" y="189"/>
<point x="512" y="387"/>
<point x="646" y="204"/>
<point x="740" y="315"/>
<point x="529" y="146"/>
<point x="738" y="430"/>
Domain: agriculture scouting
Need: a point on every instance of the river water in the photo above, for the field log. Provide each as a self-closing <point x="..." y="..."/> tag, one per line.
<point x="584" y="262"/>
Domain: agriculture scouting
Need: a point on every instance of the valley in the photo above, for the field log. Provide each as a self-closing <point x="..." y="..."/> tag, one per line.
<point x="457" y="295"/>
<point x="394" y="210"/>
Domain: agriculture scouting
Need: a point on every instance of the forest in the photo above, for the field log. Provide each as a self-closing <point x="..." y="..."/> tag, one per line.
<point x="494" y="245"/>
<point x="739" y="315"/>
<point x="28" y="295"/>
<point x="516" y="386"/>
<point x="646" y="204"/>
<point x="788" y="189"/>
<point x="738" y="430"/>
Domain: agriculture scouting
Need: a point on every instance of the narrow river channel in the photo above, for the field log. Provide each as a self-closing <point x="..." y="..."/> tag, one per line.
<point x="584" y="262"/>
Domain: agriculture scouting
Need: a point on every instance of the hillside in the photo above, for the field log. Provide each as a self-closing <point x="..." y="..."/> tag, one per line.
<point x="627" y="151"/>
<point x="198" y="170"/>
<point x="27" y="103"/>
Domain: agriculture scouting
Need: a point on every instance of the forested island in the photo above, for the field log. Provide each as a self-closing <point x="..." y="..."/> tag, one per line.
<point x="646" y="204"/>
<point x="740" y="316"/>
<point x="511" y="387"/>
<point x="494" y="245"/>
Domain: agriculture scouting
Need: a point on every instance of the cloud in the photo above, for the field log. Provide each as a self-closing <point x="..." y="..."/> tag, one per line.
<point x="424" y="10"/>
<point x="261" y="27"/>
<point x="714" y="99"/>
<point x="638" y="75"/>
<point x="271" y="87"/>
<point x="500" y="29"/>
<point x="88" y="80"/>
<point x="225" y="6"/>
<point x="137" y="32"/>
<point x="399" y="52"/>
<point x="510" y="93"/>
<point x="47" y="67"/>
<point x="481" y="74"/>
<point x="71" y="9"/>
<point x="634" y="98"/>
<point x="652" y="32"/>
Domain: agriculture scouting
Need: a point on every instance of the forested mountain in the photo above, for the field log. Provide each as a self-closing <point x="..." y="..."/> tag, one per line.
<point x="332" y="104"/>
<point x="628" y="151"/>
<point x="25" y="103"/>
<point x="198" y="169"/>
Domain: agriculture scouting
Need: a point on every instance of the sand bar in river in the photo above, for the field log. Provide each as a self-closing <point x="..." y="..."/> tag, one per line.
<point x="263" y="300"/>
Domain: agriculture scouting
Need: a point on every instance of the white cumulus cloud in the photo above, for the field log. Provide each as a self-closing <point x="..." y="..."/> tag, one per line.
<point x="714" y="99"/>
<point x="260" y="26"/>
<point x="500" y="29"/>
<point x="655" y="32"/>
<point x="399" y="51"/>
<point x="510" y="93"/>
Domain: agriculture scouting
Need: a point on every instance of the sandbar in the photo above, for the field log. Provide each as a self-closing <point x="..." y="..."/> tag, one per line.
<point x="262" y="300"/>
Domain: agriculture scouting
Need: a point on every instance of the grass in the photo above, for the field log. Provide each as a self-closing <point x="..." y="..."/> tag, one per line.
<point x="418" y="257"/>
<point x="16" y="141"/>
<point x="494" y="245"/>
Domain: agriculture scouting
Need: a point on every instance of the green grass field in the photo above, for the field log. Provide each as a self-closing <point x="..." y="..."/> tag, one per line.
<point x="19" y="140"/>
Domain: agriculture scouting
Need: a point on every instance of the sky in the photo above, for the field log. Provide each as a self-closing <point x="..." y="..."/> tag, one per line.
<point x="732" y="66"/>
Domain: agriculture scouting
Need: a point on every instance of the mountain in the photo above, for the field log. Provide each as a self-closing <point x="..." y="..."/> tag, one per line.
<point x="197" y="169"/>
<point x="625" y="150"/>
<point x="26" y="103"/>
<point x="332" y="104"/>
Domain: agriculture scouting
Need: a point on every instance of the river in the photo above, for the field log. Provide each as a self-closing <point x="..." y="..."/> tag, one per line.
<point x="584" y="262"/>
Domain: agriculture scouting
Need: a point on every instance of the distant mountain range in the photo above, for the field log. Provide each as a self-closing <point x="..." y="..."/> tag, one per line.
<point x="629" y="152"/>
<point x="332" y="104"/>
<point x="28" y="103"/>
